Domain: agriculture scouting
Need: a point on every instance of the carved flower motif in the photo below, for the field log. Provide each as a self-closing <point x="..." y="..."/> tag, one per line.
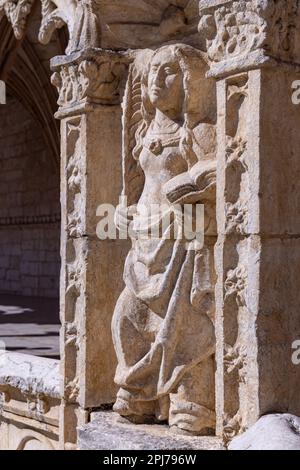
<point x="236" y="284"/>
<point x="232" y="426"/>
<point x="236" y="218"/>
<point x="235" y="152"/>
<point x="234" y="359"/>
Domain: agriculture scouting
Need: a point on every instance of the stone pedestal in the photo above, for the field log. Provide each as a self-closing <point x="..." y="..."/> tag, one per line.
<point x="107" y="432"/>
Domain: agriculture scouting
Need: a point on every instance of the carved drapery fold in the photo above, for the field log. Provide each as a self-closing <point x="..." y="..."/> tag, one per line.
<point x="161" y="292"/>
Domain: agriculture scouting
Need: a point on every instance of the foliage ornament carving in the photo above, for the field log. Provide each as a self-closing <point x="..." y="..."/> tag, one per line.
<point x="169" y="139"/>
<point x="236" y="285"/>
<point x="235" y="28"/>
<point x="95" y="80"/>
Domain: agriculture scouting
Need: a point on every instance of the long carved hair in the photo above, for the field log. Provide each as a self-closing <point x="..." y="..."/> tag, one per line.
<point x="199" y="104"/>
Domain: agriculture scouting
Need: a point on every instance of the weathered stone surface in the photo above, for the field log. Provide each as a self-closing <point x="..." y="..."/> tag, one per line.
<point x="17" y="14"/>
<point x="90" y="91"/>
<point x="105" y="432"/>
<point x="246" y="34"/>
<point x="29" y="402"/>
<point x="169" y="142"/>
<point x="271" y="432"/>
<point x="257" y="301"/>
<point x="121" y="25"/>
<point x="30" y="374"/>
<point x="163" y="322"/>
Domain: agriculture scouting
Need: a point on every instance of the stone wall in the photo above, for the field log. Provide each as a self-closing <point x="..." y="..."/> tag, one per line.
<point x="29" y="207"/>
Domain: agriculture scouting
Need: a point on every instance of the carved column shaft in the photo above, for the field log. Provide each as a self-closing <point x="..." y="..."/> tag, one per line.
<point x="89" y="99"/>
<point x="237" y="252"/>
<point x="254" y="54"/>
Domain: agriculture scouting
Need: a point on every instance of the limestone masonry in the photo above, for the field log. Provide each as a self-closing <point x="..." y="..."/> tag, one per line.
<point x="155" y="109"/>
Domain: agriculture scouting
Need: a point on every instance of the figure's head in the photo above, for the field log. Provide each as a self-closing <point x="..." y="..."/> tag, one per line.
<point x="165" y="82"/>
<point x="175" y="80"/>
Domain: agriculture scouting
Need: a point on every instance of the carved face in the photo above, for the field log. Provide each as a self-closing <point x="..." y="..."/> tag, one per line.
<point x="165" y="82"/>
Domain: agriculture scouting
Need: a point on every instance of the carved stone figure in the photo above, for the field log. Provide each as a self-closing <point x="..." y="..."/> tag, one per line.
<point x="163" y="322"/>
<point x="81" y="17"/>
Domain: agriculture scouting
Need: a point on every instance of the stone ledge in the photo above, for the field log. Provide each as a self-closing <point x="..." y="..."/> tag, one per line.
<point x="106" y="432"/>
<point x="30" y="374"/>
<point x="31" y="220"/>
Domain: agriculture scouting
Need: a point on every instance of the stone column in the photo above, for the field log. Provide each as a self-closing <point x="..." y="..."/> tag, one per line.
<point x="254" y="51"/>
<point x="89" y="85"/>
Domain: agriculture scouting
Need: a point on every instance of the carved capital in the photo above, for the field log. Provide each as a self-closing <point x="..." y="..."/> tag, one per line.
<point x="249" y="32"/>
<point x="89" y="78"/>
<point x="17" y="12"/>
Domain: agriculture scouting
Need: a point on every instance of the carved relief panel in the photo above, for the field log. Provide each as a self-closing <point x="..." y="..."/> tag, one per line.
<point x="73" y="273"/>
<point x="163" y="325"/>
<point x="233" y="209"/>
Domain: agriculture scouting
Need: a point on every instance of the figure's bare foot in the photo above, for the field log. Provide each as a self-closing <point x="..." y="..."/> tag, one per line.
<point x="191" y="419"/>
<point x="122" y="407"/>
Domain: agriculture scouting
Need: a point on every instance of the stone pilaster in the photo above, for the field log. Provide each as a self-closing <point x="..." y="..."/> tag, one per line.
<point x="89" y="85"/>
<point x="254" y="54"/>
